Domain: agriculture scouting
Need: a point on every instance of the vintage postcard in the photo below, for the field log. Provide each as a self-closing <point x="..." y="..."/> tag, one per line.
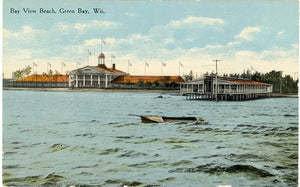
<point x="150" y="93"/>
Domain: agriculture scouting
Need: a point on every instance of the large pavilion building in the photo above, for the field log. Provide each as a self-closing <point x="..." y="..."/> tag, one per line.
<point x="98" y="76"/>
<point x="101" y="76"/>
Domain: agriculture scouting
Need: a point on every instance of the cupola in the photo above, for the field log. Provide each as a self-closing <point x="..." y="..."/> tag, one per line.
<point x="101" y="60"/>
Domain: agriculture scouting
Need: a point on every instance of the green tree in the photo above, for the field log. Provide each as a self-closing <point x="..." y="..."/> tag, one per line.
<point x="141" y="82"/>
<point x="55" y="76"/>
<point x="156" y="83"/>
<point x="188" y="77"/>
<point x="27" y="71"/>
<point x="149" y="83"/>
<point x="21" y="73"/>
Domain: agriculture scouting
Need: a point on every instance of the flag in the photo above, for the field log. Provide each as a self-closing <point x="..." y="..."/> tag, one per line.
<point x="63" y="64"/>
<point x="164" y="64"/>
<point x="147" y="64"/>
<point x="129" y="63"/>
<point x="34" y="64"/>
<point x="90" y="53"/>
<point x="180" y="64"/>
<point x="49" y="64"/>
<point x="113" y="56"/>
<point x="103" y="41"/>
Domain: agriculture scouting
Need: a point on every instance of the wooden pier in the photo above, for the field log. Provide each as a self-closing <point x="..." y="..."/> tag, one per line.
<point x="225" y="97"/>
<point x="227" y="89"/>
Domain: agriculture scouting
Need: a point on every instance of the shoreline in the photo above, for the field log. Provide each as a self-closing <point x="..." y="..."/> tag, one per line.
<point x="273" y="95"/>
<point x="278" y="95"/>
<point x="89" y="90"/>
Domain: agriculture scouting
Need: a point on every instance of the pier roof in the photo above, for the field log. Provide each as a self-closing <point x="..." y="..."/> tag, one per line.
<point x="145" y="79"/>
<point x="45" y="78"/>
<point x="244" y="81"/>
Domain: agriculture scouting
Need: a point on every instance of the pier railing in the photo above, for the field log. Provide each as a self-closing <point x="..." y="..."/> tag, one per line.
<point x="228" y="91"/>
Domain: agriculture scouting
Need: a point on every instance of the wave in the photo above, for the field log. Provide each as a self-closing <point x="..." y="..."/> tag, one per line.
<point x="49" y="180"/>
<point x="217" y="170"/>
<point x="123" y="182"/>
<point x="88" y="135"/>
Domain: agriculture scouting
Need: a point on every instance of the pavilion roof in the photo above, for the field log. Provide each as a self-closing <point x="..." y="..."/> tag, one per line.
<point x="145" y="79"/>
<point x="45" y="78"/>
<point x="109" y="69"/>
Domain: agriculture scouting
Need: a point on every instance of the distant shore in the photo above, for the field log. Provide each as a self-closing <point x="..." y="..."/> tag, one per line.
<point x="90" y="90"/>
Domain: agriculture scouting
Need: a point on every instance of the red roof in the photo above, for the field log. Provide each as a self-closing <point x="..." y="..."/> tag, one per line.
<point x="243" y="81"/>
<point x="44" y="78"/>
<point x="145" y="79"/>
<point x="109" y="69"/>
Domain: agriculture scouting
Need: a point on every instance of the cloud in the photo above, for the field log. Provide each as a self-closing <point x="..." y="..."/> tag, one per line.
<point x="281" y="33"/>
<point x="191" y="40"/>
<point x="130" y="14"/>
<point x="248" y="33"/>
<point x="92" y="42"/>
<point x="196" y="21"/>
<point x="95" y="24"/>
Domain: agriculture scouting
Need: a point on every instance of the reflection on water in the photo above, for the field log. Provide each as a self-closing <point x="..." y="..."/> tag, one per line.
<point x="91" y="138"/>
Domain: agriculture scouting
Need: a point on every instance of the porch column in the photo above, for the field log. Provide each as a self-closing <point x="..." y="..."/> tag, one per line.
<point x="76" y="84"/>
<point x="69" y="81"/>
<point x="106" y="81"/>
<point x="91" y="80"/>
<point x="99" y="80"/>
<point x="83" y="79"/>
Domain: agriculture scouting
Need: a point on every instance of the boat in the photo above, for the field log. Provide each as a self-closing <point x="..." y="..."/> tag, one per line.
<point x="162" y="119"/>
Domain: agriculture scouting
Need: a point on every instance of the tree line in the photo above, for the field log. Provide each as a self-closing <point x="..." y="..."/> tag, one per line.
<point x="21" y="73"/>
<point x="281" y="84"/>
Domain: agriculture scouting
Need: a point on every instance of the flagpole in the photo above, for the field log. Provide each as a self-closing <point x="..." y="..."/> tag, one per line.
<point x="145" y="67"/>
<point x="161" y="67"/>
<point x="128" y="66"/>
<point x="88" y="58"/>
<point x="32" y="67"/>
<point x="216" y="91"/>
<point x="62" y="65"/>
<point x="179" y="68"/>
<point x="101" y="43"/>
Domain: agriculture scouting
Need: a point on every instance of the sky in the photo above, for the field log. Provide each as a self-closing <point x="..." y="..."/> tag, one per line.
<point x="261" y="35"/>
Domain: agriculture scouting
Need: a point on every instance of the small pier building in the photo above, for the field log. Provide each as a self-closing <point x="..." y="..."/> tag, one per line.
<point x="223" y="88"/>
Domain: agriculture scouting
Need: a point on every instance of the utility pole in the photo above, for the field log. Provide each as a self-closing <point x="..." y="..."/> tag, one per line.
<point x="216" y="91"/>
<point x="280" y="82"/>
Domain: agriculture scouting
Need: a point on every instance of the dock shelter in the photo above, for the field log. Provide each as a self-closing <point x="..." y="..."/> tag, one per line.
<point x="234" y="89"/>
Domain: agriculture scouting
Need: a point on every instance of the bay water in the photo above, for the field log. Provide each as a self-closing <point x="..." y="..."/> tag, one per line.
<point x="94" y="138"/>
